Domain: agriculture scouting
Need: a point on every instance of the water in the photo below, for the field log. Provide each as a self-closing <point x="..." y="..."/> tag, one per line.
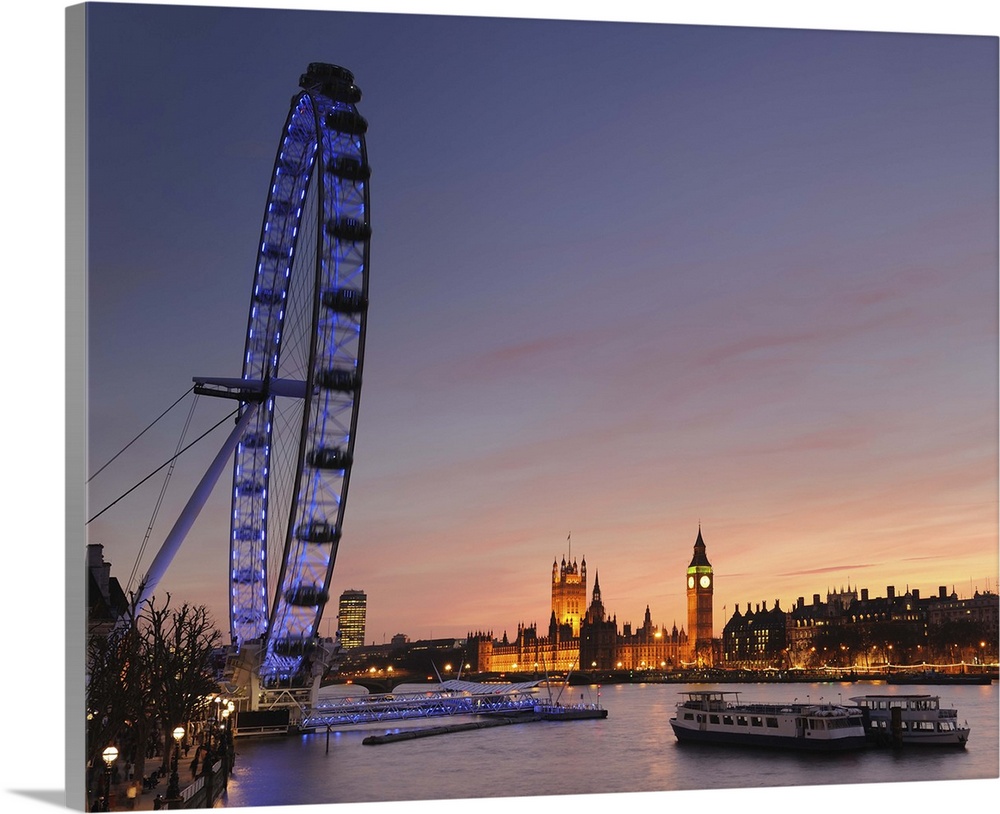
<point x="633" y="750"/>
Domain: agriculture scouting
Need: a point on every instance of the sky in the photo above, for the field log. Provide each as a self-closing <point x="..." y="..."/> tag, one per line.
<point x="816" y="216"/>
<point x="626" y="280"/>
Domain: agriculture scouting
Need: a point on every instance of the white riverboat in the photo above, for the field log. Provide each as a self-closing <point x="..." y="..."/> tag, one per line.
<point x="711" y="716"/>
<point x="902" y="719"/>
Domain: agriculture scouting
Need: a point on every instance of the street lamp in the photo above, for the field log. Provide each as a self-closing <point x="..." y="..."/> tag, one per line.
<point x="174" y="786"/>
<point x="110" y="755"/>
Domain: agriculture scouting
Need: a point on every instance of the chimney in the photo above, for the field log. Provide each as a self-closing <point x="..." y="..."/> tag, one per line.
<point x="99" y="568"/>
<point x="815" y="599"/>
<point x="916" y="594"/>
<point x="942" y="592"/>
<point x="864" y="594"/>
<point x="890" y="592"/>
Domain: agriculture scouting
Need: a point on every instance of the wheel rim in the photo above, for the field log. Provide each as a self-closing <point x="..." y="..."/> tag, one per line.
<point x="306" y="326"/>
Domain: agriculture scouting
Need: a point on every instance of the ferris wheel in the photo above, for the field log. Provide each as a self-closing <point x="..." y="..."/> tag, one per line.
<point x="302" y="371"/>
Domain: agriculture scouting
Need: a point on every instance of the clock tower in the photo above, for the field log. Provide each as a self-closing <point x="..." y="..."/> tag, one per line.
<point x="700" y="587"/>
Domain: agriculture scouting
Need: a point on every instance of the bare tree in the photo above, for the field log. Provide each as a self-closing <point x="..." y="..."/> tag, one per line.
<point x="152" y="670"/>
<point x="118" y="686"/>
<point x="178" y="657"/>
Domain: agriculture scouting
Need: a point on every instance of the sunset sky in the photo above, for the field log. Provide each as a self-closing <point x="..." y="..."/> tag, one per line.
<point x="626" y="279"/>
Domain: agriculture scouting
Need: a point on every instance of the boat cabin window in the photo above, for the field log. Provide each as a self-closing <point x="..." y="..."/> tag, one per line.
<point x="713" y="719"/>
<point x="772" y="722"/>
<point x="817" y="724"/>
<point x="756" y="720"/>
<point x="688" y="716"/>
<point x="727" y="720"/>
<point x="741" y="720"/>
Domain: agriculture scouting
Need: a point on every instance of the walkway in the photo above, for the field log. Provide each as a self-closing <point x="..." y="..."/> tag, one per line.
<point x="146" y="800"/>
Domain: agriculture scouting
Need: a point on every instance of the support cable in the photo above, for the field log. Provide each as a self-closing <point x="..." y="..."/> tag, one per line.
<point x="171" y="407"/>
<point x="161" y="466"/>
<point x="163" y="492"/>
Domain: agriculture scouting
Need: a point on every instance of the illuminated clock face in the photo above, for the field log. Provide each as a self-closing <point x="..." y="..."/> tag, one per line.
<point x="690" y="582"/>
<point x="706" y="580"/>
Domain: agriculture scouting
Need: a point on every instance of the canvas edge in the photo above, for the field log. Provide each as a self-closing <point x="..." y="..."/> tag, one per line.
<point x="75" y="400"/>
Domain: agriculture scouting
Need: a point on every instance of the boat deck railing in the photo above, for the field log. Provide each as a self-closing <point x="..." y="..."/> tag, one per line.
<point x="767" y="708"/>
<point x="558" y="708"/>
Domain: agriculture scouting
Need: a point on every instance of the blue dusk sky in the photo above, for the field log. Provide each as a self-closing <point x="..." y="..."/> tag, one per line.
<point x="625" y="279"/>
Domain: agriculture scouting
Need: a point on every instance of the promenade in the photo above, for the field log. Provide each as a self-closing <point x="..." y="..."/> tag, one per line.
<point x="192" y="788"/>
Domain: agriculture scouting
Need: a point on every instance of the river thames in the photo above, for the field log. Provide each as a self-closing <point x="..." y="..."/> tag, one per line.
<point x="633" y="750"/>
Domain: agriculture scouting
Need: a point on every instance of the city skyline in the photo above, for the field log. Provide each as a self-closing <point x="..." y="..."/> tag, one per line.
<point x="745" y="278"/>
<point x="722" y="611"/>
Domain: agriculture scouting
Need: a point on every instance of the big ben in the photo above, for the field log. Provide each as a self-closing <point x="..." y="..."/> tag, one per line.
<point x="700" y="587"/>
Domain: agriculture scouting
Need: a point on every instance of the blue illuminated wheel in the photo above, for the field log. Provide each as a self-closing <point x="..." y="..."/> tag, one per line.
<point x="304" y="350"/>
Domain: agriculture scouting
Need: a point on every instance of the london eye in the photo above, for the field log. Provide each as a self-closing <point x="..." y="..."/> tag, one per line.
<point x="301" y="376"/>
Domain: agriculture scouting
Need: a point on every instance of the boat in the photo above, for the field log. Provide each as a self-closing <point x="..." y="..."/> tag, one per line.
<point x="554" y="711"/>
<point x="713" y="716"/>
<point x="571" y="712"/>
<point x="911" y="720"/>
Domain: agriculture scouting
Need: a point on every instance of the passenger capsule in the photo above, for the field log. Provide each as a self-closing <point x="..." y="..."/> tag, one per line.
<point x="290" y="166"/>
<point x="306" y="596"/>
<point x="349" y="168"/>
<point x="250" y="486"/>
<point x="349" y="230"/>
<point x="317" y="531"/>
<point x="340" y="379"/>
<point x="255" y="440"/>
<point x="349" y="122"/>
<point x="345" y="300"/>
<point x="268" y="296"/>
<point x="340" y="92"/>
<point x="294" y="646"/>
<point x="320" y="71"/>
<point x="274" y="251"/>
<point x="329" y="458"/>
<point x="281" y="207"/>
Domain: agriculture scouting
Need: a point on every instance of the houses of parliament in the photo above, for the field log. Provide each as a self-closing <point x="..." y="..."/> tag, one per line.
<point x="582" y="634"/>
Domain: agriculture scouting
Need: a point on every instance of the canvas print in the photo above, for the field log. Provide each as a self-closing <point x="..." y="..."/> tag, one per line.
<point x="483" y="408"/>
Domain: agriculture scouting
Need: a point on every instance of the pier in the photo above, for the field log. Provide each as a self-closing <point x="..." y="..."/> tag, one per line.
<point x="431" y="731"/>
<point x="451" y="698"/>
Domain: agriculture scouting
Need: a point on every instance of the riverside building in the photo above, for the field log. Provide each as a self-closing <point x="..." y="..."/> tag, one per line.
<point x="852" y="629"/>
<point x="351" y="619"/>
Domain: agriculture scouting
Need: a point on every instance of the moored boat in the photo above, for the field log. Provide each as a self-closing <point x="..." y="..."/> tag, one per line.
<point x="711" y="716"/>
<point x="573" y="712"/>
<point x="911" y="720"/>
